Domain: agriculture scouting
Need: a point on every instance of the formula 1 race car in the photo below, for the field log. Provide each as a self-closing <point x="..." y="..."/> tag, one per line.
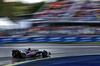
<point x="30" y="53"/>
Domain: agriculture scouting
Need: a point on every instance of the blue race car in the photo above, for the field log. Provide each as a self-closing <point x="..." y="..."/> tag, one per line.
<point x="30" y="53"/>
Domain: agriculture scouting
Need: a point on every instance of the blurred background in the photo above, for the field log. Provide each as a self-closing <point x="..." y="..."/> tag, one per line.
<point x="57" y="23"/>
<point x="23" y="18"/>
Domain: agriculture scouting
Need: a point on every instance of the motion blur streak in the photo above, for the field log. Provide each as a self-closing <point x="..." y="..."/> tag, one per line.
<point x="57" y="50"/>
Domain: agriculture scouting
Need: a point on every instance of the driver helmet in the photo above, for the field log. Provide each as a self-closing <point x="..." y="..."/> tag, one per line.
<point x="29" y="49"/>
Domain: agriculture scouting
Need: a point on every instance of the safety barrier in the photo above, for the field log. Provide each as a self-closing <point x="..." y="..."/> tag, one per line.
<point x="50" y="39"/>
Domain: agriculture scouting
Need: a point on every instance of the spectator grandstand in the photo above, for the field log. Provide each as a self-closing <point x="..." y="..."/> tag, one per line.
<point x="68" y="17"/>
<point x="65" y="18"/>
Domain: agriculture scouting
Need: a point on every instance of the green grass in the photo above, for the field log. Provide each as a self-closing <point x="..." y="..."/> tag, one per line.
<point x="78" y="42"/>
<point x="59" y="43"/>
<point x="72" y="42"/>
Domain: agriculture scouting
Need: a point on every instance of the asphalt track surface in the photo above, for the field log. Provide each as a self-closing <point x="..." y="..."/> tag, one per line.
<point x="57" y="50"/>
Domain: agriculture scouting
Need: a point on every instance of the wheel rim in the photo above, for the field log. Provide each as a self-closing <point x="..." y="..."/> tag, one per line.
<point x="23" y="55"/>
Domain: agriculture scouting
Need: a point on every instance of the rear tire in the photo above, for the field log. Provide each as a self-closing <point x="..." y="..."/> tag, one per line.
<point x="14" y="55"/>
<point x="23" y="55"/>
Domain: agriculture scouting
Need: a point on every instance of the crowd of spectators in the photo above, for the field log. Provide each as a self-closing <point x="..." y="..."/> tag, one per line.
<point x="88" y="10"/>
<point x="52" y="31"/>
<point x="56" y="9"/>
<point x="67" y="9"/>
<point x="71" y="9"/>
<point x="65" y="30"/>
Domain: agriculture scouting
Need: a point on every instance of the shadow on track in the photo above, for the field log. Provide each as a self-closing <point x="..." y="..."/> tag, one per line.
<point x="16" y="60"/>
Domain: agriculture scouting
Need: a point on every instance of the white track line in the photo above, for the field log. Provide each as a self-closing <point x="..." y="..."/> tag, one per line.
<point x="55" y="47"/>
